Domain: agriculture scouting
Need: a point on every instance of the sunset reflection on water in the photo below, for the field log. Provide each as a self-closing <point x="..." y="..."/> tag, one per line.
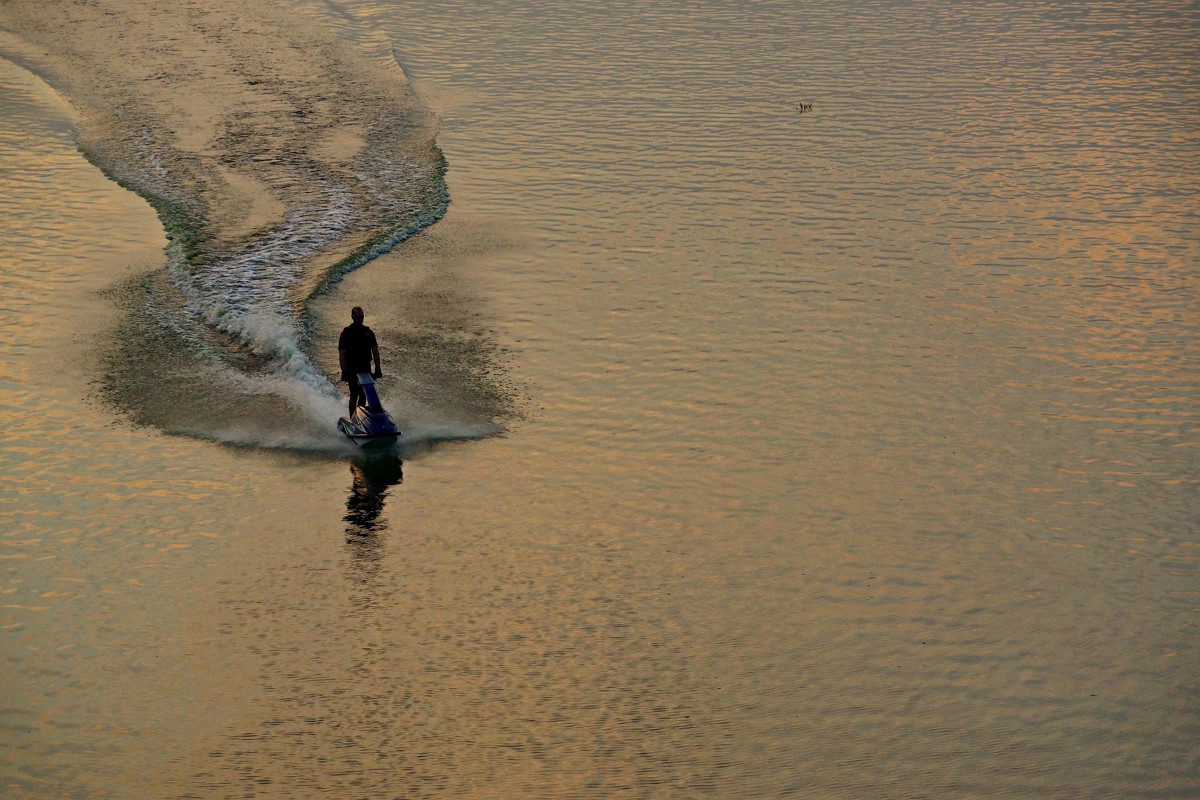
<point x="859" y="449"/>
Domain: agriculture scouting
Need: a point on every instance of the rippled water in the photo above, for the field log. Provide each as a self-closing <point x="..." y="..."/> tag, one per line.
<point x="859" y="456"/>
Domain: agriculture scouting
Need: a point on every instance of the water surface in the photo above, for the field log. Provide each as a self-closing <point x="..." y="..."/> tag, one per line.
<point x="855" y="452"/>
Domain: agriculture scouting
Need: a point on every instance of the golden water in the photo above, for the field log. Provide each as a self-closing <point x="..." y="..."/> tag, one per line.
<point x="859" y="450"/>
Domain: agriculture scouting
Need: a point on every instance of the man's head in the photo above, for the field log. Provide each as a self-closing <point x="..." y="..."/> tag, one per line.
<point x="356" y="314"/>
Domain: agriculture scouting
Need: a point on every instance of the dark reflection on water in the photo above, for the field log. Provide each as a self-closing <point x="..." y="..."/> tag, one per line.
<point x="365" y="523"/>
<point x="368" y="494"/>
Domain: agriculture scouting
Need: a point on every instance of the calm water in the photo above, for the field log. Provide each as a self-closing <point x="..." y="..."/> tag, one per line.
<point x="752" y="451"/>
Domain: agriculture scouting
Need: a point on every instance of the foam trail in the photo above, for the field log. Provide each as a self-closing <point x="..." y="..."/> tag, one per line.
<point x="278" y="156"/>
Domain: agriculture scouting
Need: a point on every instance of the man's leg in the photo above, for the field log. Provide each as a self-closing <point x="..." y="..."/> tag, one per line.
<point x="356" y="394"/>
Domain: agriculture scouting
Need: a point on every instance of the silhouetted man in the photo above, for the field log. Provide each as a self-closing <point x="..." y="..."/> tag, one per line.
<point x="356" y="348"/>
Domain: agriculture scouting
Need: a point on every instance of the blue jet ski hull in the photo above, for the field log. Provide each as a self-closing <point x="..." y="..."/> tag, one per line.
<point x="371" y="435"/>
<point x="369" y="424"/>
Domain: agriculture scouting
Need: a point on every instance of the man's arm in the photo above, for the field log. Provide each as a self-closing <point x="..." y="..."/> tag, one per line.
<point x="342" y="360"/>
<point x="375" y="355"/>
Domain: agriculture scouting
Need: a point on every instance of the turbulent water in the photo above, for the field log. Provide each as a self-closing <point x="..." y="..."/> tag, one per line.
<point x="278" y="156"/>
<point x="830" y="370"/>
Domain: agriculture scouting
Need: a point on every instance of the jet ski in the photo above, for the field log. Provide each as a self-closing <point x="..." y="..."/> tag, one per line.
<point x="369" y="424"/>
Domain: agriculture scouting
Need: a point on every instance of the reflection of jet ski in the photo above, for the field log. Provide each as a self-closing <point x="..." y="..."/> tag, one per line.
<point x="369" y="424"/>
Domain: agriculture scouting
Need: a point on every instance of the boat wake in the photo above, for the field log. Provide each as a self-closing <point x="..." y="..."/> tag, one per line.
<point x="279" y="156"/>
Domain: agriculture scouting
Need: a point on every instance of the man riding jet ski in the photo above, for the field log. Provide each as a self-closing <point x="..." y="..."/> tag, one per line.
<point x="357" y="348"/>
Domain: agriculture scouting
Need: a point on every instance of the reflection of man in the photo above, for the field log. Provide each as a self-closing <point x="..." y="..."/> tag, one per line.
<point x="356" y="348"/>
<point x="367" y="494"/>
